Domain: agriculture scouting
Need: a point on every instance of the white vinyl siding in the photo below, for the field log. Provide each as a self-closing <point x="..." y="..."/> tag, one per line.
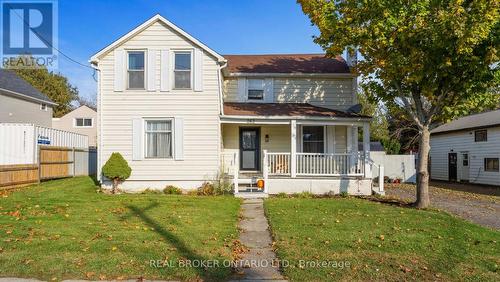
<point x="200" y="112"/>
<point x="324" y="92"/>
<point x="464" y="141"/>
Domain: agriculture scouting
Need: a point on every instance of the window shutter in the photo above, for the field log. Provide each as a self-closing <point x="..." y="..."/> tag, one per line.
<point x="119" y="70"/>
<point x="137" y="137"/>
<point x="242" y="89"/>
<point x="151" y="70"/>
<point x="198" y="70"/>
<point x="166" y="70"/>
<point x="179" y="138"/>
<point x="268" y="90"/>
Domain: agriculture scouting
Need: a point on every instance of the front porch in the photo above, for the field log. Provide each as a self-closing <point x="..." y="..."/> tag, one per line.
<point x="293" y="155"/>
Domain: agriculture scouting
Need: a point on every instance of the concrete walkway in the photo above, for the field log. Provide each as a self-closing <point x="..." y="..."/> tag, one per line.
<point x="260" y="263"/>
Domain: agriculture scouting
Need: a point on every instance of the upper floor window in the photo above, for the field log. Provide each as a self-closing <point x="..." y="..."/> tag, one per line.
<point x="255" y="89"/>
<point x="158" y="139"/>
<point x="313" y="139"/>
<point x="83" y="122"/>
<point x="182" y="70"/>
<point x="135" y="70"/>
<point x="43" y="107"/>
<point x="481" y="135"/>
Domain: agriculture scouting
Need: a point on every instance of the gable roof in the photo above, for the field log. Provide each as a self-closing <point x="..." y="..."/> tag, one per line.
<point x="284" y="109"/>
<point x="481" y="120"/>
<point x="286" y="63"/>
<point x="156" y="18"/>
<point x="13" y="85"/>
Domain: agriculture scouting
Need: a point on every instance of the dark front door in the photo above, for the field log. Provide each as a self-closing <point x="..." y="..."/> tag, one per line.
<point x="249" y="148"/>
<point x="452" y="166"/>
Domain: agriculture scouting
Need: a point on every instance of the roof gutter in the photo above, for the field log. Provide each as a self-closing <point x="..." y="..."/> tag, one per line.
<point x="28" y="97"/>
<point x="316" y="75"/>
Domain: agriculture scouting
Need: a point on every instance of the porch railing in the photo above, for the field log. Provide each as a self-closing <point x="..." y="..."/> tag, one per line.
<point x="278" y="163"/>
<point x="311" y="164"/>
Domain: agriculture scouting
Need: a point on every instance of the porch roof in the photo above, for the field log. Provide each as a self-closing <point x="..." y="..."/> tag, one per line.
<point x="285" y="110"/>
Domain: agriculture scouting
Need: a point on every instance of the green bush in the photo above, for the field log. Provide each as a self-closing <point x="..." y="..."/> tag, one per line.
<point x="116" y="169"/>
<point x="344" y="194"/>
<point x="151" y="191"/>
<point x="172" y="190"/>
<point x="303" y="195"/>
<point x="282" y="195"/>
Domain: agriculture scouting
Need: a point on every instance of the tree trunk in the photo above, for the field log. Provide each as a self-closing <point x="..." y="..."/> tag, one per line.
<point x="423" y="173"/>
<point x="115" y="185"/>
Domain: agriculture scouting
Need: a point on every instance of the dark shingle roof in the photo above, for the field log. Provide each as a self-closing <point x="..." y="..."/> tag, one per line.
<point x="284" y="109"/>
<point x="12" y="82"/>
<point x="285" y="63"/>
<point x="487" y="119"/>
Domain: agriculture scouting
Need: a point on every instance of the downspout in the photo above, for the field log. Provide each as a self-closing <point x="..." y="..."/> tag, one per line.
<point x="95" y="66"/>
<point x="222" y="65"/>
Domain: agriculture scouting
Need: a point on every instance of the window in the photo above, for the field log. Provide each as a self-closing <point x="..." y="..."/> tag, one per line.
<point x="83" y="122"/>
<point x="43" y="107"/>
<point x="313" y="139"/>
<point x="481" y="135"/>
<point x="182" y="70"/>
<point x="135" y="70"/>
<point x="465" y="159"/>
<point x="158" y="139"/>
<point x="491" y="164"/>
<point x="255" y="89"/>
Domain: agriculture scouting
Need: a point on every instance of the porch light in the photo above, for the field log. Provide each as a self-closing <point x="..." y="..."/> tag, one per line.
<point x="267" y="138"/>
<point x="260" y="184"/>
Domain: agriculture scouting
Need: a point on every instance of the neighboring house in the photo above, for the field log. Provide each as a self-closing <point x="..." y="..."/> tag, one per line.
<point x="22" y="103"/>
<point x="180" y="113"/>
<point x="81" y="120"/>
<point x="467" y="149"/>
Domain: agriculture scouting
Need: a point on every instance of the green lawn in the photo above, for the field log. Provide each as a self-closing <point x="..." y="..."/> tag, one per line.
<point x="379" y="241"/>
<point x="64" y="229"/>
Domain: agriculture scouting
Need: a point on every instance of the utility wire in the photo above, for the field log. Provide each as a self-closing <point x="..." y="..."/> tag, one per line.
<point x="51" y="46"/>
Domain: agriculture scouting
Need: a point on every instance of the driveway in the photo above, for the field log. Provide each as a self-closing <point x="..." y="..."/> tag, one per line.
<point x="478" y="204"/>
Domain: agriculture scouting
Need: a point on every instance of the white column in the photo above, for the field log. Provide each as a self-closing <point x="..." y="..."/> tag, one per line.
<point x="350" y="159"/>
<point x="355" y="155"/>
<point x="265" y="170"/>
<point x="293" y="148"/>
<point x="236" y="163"/>
<point x="366" y="149"/>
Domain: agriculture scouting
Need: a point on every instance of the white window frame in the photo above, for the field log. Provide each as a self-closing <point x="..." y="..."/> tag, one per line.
<point x="325" y="138"/>
<point x="44" y="107"/>
<point x="144" y="139"/>
<point x="191" y="76"/>
<point x="83" y="126"/>
<point x="128" y="51"/>
<point x="247" y="89"/>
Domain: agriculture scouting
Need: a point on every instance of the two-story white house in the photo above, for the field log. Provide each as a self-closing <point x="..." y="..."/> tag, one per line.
<point x="181" y="114"/>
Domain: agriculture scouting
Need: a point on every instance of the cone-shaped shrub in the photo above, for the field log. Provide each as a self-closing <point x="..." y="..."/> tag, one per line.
<point x="116" y="169"/>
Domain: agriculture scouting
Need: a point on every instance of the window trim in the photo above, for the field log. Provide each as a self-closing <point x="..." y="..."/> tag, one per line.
<point x="481" y="130"/>
<point x="75" y="125"/>
<point x="493" y="169"/>
<point x="144" y="139"/>
<point x="325" y="138"/>
<point x="144" y="51"/>
<point x="191" y="76"/>
<point x="248" y="89"/>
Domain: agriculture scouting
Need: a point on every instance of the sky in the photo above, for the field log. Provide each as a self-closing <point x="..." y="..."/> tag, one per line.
<point x="226" y="26"/>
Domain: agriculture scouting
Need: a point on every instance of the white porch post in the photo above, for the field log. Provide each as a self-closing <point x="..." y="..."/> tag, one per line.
<point x="293" y="148"/>
<point x="355" y="155"/>
<point x="349" y="150"/>
<point x="236" y="162"/>
<point x="265" y="171"/>
<point x="366" y="149"/>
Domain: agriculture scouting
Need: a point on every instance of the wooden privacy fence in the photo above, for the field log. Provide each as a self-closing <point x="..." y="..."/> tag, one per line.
<point x="52" y="163"/>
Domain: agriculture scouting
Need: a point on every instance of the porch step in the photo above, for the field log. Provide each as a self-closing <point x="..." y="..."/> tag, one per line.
<point x="251" y="195"/>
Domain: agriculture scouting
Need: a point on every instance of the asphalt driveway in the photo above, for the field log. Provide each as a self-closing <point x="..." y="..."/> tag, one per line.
<point x="478" y="204"/>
